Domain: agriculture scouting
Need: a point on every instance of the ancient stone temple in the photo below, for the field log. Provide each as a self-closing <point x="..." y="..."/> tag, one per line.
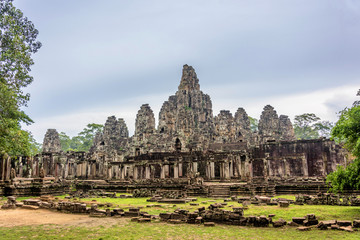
<point x="189" y="142"/>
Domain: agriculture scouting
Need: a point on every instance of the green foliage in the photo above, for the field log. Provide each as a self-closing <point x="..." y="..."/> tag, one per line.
<point x="187" y="108"/>
<point x="309" y="126"/>
<point x="81" y="142"/>
<point x="347" y="129"/>
<point x="347" y="132"/>
<point x="254" y="123"/>
<point x="17" y="43"/>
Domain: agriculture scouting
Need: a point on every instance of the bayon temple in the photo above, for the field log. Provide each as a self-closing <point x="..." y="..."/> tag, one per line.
<point x="189" y="149"/>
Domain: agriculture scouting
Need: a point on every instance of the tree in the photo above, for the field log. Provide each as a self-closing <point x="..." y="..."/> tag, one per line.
<point x="309" y="126"/>
<point x="254" y="123"/>
<point x="324" y="128"/>
<point x="17" y="44"/>
<point x="304" y="126"/>
<point x="347" y="132"/>
<point x="81" y="142"/>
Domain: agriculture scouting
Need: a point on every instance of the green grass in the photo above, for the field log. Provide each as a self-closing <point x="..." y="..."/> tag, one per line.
<point x="160" y="230"/>
<point x="166" y="231"/>
<point x="322" y="212"/>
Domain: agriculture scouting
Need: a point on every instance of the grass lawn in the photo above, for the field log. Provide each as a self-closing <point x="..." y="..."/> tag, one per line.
<point x="166" y="231"/>
<point x="160" y="230"/>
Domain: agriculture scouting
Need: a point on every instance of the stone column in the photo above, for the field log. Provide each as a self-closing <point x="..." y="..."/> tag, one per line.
<point x="135" y="173"/>
<point x="305" y="166"/>
<point x="20" y="167"/>
<point x="226" y="170"/>
<point x="212" y="170"/>
<point x="162" y="174"/>
<point x="147" y="172"/>
<point x="195" y="167"/>
<point x="166" y="171"/>
<point x="176" y="171"/>
<point x="180" y="170"/>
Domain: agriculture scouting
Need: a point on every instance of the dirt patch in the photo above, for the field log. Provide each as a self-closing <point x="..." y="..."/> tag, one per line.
<point x="23" y="217"/>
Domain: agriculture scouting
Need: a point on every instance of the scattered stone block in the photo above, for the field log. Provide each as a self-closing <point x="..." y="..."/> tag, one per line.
<point x="143" y="220"/>
<point x="303" y="228"/>
<point x="293" y="224"/>
<point x="134" y="219"/>
<point x="279" y="223"/>
<point x="31" y="207"/>
<point x="335" y="227"/>
<point x="174" y="221"/>
<point x="284" y="204"/>
<point x="209" y="224"/>
<point x="347" y="229"/>
<point x="343" y="223"/>
<point x="356" y="223"/>
<point x="299" y="220"/>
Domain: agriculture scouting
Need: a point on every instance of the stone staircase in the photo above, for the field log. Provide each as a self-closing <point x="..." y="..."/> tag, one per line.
<point x="219" y="191"/>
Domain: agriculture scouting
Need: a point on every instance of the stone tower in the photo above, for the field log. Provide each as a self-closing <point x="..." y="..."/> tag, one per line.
<point x="224" y="127"/>
<point x="272" y="128"/>
<point x="51" y="141"/>
<point x="145" y="121"/>
<point x="188" y="113"/>
<point x="113" y="139"/>
<point x="269" y="125"/>
<point x="242" y="127"/>
<point x="286" y="129"/>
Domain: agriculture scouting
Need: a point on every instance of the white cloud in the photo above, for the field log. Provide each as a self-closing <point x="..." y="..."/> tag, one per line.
<point x="324" y="103"/>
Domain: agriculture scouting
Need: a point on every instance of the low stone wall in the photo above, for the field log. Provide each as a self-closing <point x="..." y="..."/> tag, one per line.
<point x="328" y="199"/>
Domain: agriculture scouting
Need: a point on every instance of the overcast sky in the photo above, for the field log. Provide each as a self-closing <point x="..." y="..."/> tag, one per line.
<point x="103" y="58"/>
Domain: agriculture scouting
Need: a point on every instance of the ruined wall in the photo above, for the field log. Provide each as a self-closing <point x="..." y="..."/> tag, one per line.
<point x="306" y="158"/>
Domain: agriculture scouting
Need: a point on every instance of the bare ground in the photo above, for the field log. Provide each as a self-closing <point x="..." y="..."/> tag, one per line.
<point x="25" y="217"/>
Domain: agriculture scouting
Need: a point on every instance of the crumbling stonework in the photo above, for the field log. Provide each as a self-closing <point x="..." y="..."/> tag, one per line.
<point x="51" y="141"/>
<point x="189" y="143"/>
<point x="145" y="121"/>
<point x="286" y="129"/>
<point x="242" y="127"/>
<point x="111" y="142"/>
<point x="224" y="127"/>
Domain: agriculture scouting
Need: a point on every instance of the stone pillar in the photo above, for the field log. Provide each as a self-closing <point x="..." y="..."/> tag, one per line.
<point x="305" y="166"/>
<point x="286" y="169"/>
<point x="147" y="172"/>
<point x="20" y="167"/>
<point x="195" y="167"/>
<point x="226" y="170"/>
<point x="212" y="170"/>
<point x="180" y="170"/>
<point x="231" y="168"/>
<point x="166" y="171"/>
<point x="162" y="174"/>
<point x="135" y="175"/>
<point x="122" y="172"/>
<point x="176" y="171"/>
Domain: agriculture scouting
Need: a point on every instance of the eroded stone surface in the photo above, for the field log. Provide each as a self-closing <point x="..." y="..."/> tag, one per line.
<point x="51" y="141"/>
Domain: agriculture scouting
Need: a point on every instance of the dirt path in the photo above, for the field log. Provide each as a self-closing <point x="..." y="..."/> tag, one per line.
<point x="21" y="217"/>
